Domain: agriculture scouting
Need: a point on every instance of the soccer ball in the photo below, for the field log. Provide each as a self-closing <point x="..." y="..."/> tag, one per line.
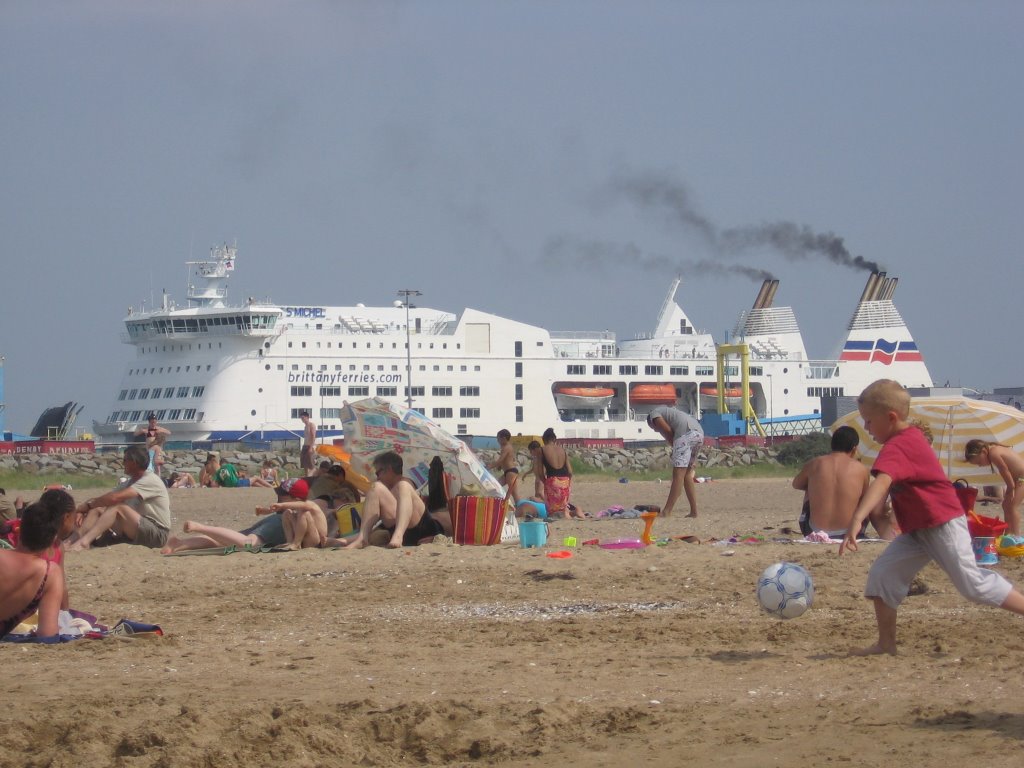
<point x="785" y="590"/>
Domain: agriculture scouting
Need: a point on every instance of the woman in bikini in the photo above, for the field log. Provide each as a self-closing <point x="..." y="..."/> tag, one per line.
<point x="557" y="471"/>
<point x="1008" y="465"/>
<point x="28" y="582"/>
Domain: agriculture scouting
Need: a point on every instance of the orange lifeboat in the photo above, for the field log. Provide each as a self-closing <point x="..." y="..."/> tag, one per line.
<point x="732" y="393"/>
<point x="583" y="397"/>
<point x="653" y="394"/>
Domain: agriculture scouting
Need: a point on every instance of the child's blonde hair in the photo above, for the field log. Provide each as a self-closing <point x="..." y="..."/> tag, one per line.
<point x="886" y="395"/>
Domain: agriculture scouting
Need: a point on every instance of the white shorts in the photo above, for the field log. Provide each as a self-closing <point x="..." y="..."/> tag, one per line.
<point x="949" y="545"/>
<point x="685" y="447"/>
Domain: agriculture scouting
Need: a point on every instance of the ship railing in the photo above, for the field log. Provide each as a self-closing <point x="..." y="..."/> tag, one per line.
<point x="583" y="335"/>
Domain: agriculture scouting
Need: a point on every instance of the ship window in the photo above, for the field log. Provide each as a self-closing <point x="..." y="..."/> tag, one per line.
<point x="143" y="394"/>
<point x="302" y="391"/>
<point x="251" y="413"/>
<point x="303" y="345"/>
<point x="157" y="392"/>
<point x="296" y="412"/>
<point x="469" y="413"/>
<point x="704" y="370"/>
<point x="394" y="345"/>
<point x="330" y="391"/>
<point x="441" y="413"/>
<point x="309" y="367"/>
<point x="602" y="370"/>
<point x="330" y="413"/>
<point x="469" y="391"/>
<point x="189" y="414"/>
<point x="394" y="367"/>
<point x="387" y="391"/>
<point x="337" y="367"/>
<point x="437" y="367"/>
<point x="423" y="367"/>
<point x="431" y="345"/>
<point x="174" y="414"/>
<point x="462" y="429"/>
<point x="416" y="391"/>
<point x="755" y="370"/>
<point x="358" y="391"/>
<point x="653" y="370"/>
<point x="367" y="345"/>
<point x="519" y="413"/>
<point x="198" y="391"/>
<point x="519" y="370"/>
<point x="318" y="345"/>
<point x="380" y="367"/>
<point x="575" y="370"/>
<point x="679" y="370"/>
<point x="289" y="345"/>
<point x="519" y="349"/>
<point x="450" y="368"/>
<point x="519" y="391"/>
<point x="462" y="368"/>
<point x="182" y="391"/>
<point x="476" y="368"/>
<point x="123" y="395"/>
<point x="132" y="394"/>
<point x="628" y="370"/>
<point x="441" y="391"/>
<point x="323" y="367"/>
<point x="732" y="370"/>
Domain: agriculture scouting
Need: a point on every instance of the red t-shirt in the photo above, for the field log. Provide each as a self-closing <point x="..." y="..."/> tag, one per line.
<point x="922" y="495"/>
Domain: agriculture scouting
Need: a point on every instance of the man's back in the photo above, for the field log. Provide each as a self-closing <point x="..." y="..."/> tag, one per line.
<point x="835" y="483"/>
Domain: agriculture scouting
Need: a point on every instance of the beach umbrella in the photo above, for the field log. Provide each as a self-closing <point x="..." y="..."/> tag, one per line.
<point x="374" y="425"/>
<point x="339" y="455"/>
<point x="953" y="421"/>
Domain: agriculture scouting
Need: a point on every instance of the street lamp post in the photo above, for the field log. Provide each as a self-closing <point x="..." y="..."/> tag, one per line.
<point x="771" y="426"/>
<point x="406" y="293"/>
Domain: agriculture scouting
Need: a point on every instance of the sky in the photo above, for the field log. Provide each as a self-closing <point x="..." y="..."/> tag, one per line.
<point x="553" y="162"/>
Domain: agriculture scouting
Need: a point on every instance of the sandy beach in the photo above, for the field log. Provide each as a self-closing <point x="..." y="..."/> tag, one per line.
<point x="445" y="655"/>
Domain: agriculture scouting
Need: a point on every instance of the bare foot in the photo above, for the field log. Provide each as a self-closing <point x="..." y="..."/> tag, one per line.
<point x="187" y="527"/>
<point x="692" y="514"/>
<point x="356" y="543"/>
<point x="872" y="650"/>
<point x="78" y="546"/>
<point x="172" y="543"/>
<point x="287" y="548"/>
<point x="394" y="544"/>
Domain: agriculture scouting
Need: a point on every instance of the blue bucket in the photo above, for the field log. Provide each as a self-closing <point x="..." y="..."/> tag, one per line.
<point x="533" y="533"/>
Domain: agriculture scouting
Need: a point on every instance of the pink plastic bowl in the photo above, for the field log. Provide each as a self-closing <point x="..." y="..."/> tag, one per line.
<point x="622" y="544"/>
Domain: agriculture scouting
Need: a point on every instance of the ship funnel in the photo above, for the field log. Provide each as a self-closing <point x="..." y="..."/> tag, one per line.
<point x="869" y="287"/>
<point x="771" y="293"/>
<point x="761" y="294"/>
<point x="890" y="288"/>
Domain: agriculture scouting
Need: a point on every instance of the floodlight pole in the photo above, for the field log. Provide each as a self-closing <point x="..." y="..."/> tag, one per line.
<point x="405" y="293"/>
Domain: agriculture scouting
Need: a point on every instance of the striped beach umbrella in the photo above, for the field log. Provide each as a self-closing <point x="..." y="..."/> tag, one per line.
<point x="953" y="421"/>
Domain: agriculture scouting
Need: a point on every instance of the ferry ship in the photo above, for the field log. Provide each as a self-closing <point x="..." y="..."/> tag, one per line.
<point x="215" y="371"/>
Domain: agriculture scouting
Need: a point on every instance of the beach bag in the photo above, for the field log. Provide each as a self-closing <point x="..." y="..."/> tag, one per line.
<point x="510" y="530"/>
<point x="477" y="519"/>
<point x="965" y="494"/>
<point x="349" y="519"/>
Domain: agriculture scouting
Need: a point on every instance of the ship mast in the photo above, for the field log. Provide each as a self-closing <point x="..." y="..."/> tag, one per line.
<point x="210" y="278"/>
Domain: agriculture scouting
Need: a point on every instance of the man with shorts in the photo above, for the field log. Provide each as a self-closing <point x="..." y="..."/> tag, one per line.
<point x="833" y="485"/>
<point x="308" y="441"/>
<point x="393" y="502"/>
<point x="686" y="436"/>
<point x="137" y="511"/>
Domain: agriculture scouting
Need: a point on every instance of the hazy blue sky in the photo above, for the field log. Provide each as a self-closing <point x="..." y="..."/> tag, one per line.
<point x="516" y="157"/>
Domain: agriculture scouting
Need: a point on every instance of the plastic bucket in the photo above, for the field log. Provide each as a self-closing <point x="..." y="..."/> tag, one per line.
<point x="533" y="533"/>
<point x="985" y="550"/>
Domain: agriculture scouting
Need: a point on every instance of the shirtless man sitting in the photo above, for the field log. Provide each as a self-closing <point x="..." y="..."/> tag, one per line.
<point x="393" y="501"/>
<point x="833" y="485"/>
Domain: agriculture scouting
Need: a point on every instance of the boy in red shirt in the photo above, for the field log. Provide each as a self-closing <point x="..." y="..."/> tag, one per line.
<point x="928" y="512"/>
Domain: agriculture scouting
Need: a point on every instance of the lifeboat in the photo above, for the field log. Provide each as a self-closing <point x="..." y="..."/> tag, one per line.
<point x="709" y="397"/>
<point x="583" y="397"/>
<point x="653" y="394"/>
<point x="731" y="393"/>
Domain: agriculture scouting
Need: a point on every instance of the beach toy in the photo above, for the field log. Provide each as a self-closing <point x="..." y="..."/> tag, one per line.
<point x="535" y="508"/>
<point x="1010" y="546"/>
<point x="648" y="517"/>
<point x="560" y="555"/>
<point x="591" y="541"/>
<point x="622" y="544"/>
<point x="533" y="533"/>
<point x="569" y="541"/>
<point x="985" y="550"/>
